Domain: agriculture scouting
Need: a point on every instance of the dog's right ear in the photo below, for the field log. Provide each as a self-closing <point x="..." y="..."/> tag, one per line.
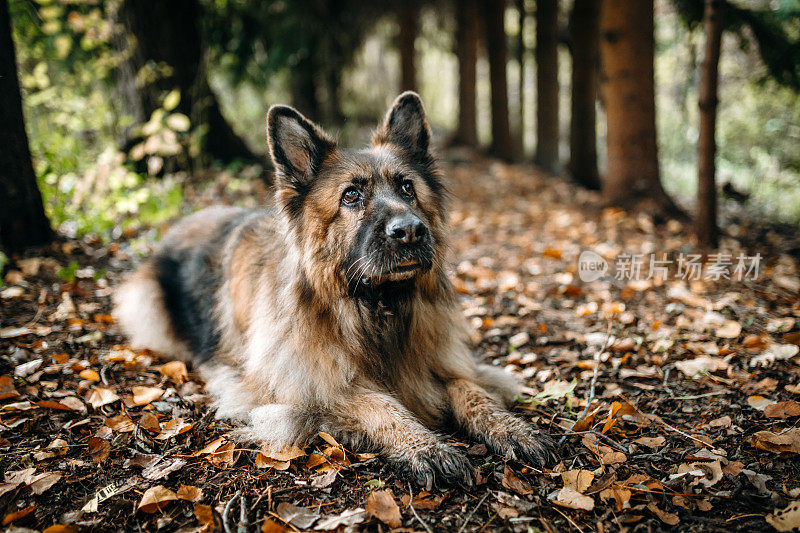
<point x="298" y="147"/>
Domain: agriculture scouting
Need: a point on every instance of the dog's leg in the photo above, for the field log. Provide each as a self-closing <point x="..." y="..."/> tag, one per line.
<point x="484" y="418"/>
<point x="382" y="421"/>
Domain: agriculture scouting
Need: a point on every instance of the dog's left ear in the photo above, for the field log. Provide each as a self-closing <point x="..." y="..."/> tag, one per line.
<point x="405" y="125"/>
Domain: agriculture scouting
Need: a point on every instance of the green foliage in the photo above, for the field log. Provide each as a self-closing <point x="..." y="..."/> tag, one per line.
<point x="67" y="273"/>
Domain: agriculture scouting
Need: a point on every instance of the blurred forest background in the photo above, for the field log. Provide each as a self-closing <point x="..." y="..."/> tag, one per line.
<point x="127" y="101"/>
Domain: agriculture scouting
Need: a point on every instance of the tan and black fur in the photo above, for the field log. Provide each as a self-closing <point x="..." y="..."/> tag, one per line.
<point x="332" y="311"/>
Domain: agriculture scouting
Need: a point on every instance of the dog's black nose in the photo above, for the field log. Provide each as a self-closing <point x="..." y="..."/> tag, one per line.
<point x="406" y="228"/>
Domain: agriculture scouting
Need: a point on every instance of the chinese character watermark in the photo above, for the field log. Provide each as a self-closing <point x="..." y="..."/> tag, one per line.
<point x="688" y="267"/>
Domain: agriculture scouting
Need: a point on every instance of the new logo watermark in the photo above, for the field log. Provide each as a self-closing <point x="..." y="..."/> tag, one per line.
<point x="634" y="267"/>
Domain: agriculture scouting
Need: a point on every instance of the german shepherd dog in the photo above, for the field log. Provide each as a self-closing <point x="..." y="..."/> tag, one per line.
<point x="332" y="311"/>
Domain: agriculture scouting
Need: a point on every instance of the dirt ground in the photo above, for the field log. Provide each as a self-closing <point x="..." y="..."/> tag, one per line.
<point x="693" y="421"/>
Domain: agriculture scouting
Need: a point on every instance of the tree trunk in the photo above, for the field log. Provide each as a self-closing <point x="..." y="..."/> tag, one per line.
<point x="167" y="33"/>
<point x="23" y="222"/>
<point x="626" y="50"/>
<point x="493" y="12"/>
<point x="705" y="222"/>
<point x="408" y="19"/>
<point x="547" y="84"/>
<point x="584" y="27"/>
<point x="467" y="52"/>
<point x="303" y="88"/>
<point x="521" y="14"/>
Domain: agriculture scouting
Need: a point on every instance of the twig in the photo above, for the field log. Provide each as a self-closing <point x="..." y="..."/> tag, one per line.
<point x="242" y="526"/>
<point x="411" y="506"/>
<point x="698" y="396"/>
<point x="664" y="383"/>
<point x="592" y="383"/>
<point x="226" y="521"/>
<point x="469" y="516"/>
<point x="570" y="520"/>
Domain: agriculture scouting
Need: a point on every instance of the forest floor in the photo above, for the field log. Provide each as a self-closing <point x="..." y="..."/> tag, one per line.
<point x="693" y="422"/>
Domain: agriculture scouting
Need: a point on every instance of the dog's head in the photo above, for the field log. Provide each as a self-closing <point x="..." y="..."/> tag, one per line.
<point x="364" y="220"/>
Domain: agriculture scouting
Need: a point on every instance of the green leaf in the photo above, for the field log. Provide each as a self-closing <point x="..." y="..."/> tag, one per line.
<point x="377" y="483"/>
<point x="68" y="272"/>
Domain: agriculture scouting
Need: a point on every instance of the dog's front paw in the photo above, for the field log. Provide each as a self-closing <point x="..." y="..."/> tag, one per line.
<point x="438" y="464"/>
<point x="525" y="444"/>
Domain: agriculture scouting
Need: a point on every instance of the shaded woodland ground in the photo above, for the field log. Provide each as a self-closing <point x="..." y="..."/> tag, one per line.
<point x="693" y="422"/>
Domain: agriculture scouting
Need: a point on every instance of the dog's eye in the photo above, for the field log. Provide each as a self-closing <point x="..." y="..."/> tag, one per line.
<point x="407" y="188"/>
<point x="351" y="196"/>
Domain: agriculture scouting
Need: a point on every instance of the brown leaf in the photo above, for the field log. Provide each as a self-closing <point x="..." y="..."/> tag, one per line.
<point x="89" y="374"/>
<point x="100" y="396"/>
<point x="99" y="449"/>
<point x="204" y="515"/>
<point x="121" y="424"/>
<point x="224" y="456"/>
<point x="572" y="499"/>
<point x="146" y="395"/>
<point x="787" y="519"/>
<point x="300" y="517"/>
<point x="651" y="442"/>
<point x="787" y="441"/>
<point x="61" y="528"/>
<point x="424" y="500"/>
<point x="577" y="480"/>
<point x="174" y="427"/>
<point x="512" y="482"/>
<point x="381" y="505"/>
<point x="668" y="518"/>
<point x="270" y="526"/>
<point x="620" y="494"/>
<point x="155" y="499"/>
<point x="7" y="389"/>
<point x="176" y="371"/>
<point x="326" y="479"/>
<point x="759" y="402"/>
<point x="285" y="454"/>
<point x="162" y="469"/>
<point x="16" y="515"/>
<point x="190" y="493"/>
<point x="149" y="422"/>
<point x="42" y="482"/>
<point x="784" y="410"/>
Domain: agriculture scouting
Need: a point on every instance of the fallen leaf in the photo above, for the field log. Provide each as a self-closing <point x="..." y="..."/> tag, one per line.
<point x="350" y="517"/>
<point x="759" y="402"/>
<point x="621" y="495"/>
<point x="205" y="515"/>
<point x="89" y="374"/>
<point x="190" y="493"/>
<point x="787" y="441"/>
<point x="42" y="482"/>
<point x="7" y="389"/>
<point x="16" y="515"/>
<point x="784" y="410"/>
<point x="61" y="528"/>
<point x="512" y="482"/>
<point x="162" y="469"/>
<point x="26" y="369"/>
<point x="174" y="427"/>
<point x="99" y="397"/>
<point x="730" y="330"/>
<point x="99" y="449"/>
<point x="787" y="519"/>
<point x="146" y="395"/>
<point x="270" y="526"/>
<point x="699" y="365"/>
<point x="121" y="424"/>
<point x="325" y="479"/>
<point x="381" y="505"/>
<point x="775" y="352"/>
<point x="670" y="519"/>
<point x="572" y="499"/>
<point x="155" y="499"/>
<point x="176" y="371"/>
<point x="424" y="500"/>
<point x="285" y="454"/>
<point x="300" y="517"/>
<point x="149" y="422"/>
<point x="651" y="442"/>
<point x="578" y="480"/>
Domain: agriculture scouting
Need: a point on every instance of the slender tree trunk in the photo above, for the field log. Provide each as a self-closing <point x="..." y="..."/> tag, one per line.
<point x="408" y="19"/>
<point x="493" y="12"/>
<point x="626" y="50"/>
<point x="23" y="222"/>
<point x="584" y="26"/>
<point x="467" y="51"/>
<point x="303" y="88"/>
<point x="167" y="33"/>
<point x="547" y="84"/>
<point x="705" y="222"/>
<point x="522" y="15"/>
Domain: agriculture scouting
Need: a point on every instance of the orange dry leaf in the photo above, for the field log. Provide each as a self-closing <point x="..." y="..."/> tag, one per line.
<point x="146" y="395"/>
<point x="381" y="505"/>
<point x="89" y="374"/>
<point x="512" y="482"/>
<point x="787" y="441"/>
<point x="578" y="480"/>
<point x="190" y="493"/>
<point x="787" y="409"/>
<point x="176" y="371"/>
<point x="156" y="498"/>
<point x="99" y="449"/>
<point x="174" y="427"/>
<point x="121" y="424"/>
<point x="7" y="389"/>
<point x="16" y="515"/>
<point x="424" y="500"/>
<point x="204" y="515"/>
